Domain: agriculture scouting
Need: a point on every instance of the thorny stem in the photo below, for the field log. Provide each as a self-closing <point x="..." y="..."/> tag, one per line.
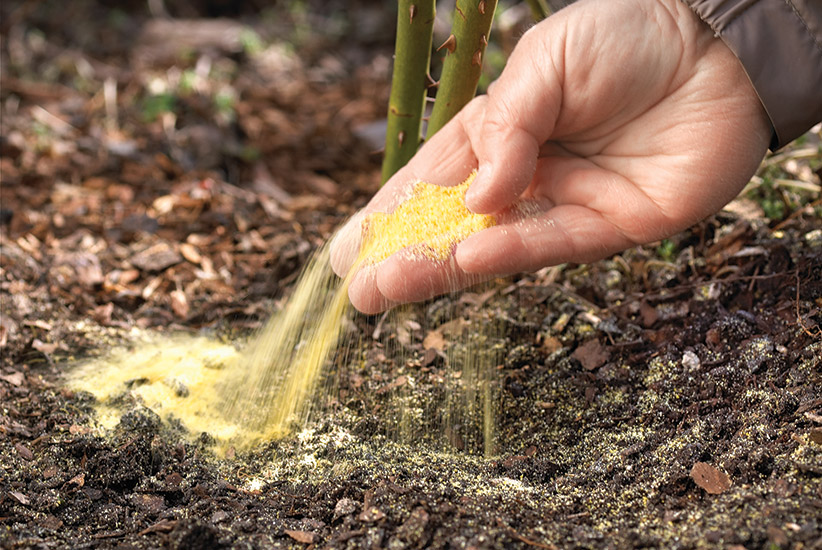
<point x="463" y="62"/>
<point x="409" y="83"/>
<point x="539" y="9"/>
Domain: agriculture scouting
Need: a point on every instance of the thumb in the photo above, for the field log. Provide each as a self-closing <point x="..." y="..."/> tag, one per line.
<point x="521" y="111"/>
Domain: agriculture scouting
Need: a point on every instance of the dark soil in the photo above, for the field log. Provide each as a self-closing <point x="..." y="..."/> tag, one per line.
<point x="670" y="396"/>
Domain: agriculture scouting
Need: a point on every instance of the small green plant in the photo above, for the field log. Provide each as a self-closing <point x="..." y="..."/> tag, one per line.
<point x="251" y="42"/>
<point x="224" y="102"/>
<point x="155" y="105"/>
<point x="768" y="196"/>
<point x="666" y="250"/>
<point x="188" y="81"/>
<point x="774" y="209"/>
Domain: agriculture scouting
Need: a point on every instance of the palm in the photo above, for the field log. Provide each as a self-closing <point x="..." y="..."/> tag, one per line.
<point x="619" y="143"/>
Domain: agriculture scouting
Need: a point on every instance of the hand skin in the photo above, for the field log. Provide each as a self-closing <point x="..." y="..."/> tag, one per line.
<point x="626" y="120"/>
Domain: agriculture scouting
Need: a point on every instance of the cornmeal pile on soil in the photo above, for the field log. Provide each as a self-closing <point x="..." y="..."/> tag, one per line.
<point x="268" y="389"/>
<point x="669" y="396"/>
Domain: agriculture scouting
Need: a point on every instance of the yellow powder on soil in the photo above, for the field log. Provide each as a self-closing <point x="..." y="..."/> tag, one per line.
<point x="264" y="391"/>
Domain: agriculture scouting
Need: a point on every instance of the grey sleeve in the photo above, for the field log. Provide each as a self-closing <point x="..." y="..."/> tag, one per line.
<point x="779" y="43"/>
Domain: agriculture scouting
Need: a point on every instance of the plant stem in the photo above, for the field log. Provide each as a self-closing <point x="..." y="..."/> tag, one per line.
<point x="463" y="63"/>
<point x="539" y="9"/>
<point x="409" y="83"/>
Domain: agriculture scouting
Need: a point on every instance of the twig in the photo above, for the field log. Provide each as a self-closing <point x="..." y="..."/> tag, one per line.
<point x="523" y="539"/>
<point x="806" y="153"/>
<point x="796" y="213"/>
<point x="799" y="317"/>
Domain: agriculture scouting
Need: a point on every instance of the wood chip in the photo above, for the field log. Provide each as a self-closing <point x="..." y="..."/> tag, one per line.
<point x="20" y="497"/>
<point x="190" y="253"/>
<point x="24" y="452"/>
<point x="431" y="357"/>
<point x="551" y="344"/>
<point x="344" y="507"/>
<point x="157" y="257"/>
<point x="399" y="382"/>
<point x="179" y="303"/>
<point x="649" y="314"/>
<point x="15" y="379"/>
<point x="102" y="314"/>
<point x="371" y="514"/>
<point x="305" y="537"/>
<point x="50" y="522"/>
<point x="592" y="354"/>
<point x="43" y="347"/>
<point x="79" y="480"/>
<point x="713" y="481"/>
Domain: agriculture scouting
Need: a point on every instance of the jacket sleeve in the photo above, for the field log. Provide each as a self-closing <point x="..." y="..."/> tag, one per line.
<point x="779" y="43"/>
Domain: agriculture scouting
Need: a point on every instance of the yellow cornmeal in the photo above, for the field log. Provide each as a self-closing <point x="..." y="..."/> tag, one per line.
<point x="263" y="391"/>
<point x="435" y="217"/>
<point x="174" y="376"/>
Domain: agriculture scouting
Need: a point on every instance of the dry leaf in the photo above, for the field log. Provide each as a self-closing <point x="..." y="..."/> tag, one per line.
<point x="156" y="257"/>
<point x="592" y="354"/>
<point x="709" y="478"/>
<point x="79" y="480"/>
<point x="434" y="340"/>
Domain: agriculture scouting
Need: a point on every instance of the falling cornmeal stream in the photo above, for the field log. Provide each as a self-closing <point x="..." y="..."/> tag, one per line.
<point x="264" y="391"/>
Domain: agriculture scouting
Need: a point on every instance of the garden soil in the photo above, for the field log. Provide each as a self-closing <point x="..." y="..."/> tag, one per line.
<point x="169" y="170"/>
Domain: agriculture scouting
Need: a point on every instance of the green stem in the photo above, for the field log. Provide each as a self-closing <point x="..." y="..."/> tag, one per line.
<point x="409" y="83"/>
<point x="463" y="63"/>
<point x="539" y="9"/>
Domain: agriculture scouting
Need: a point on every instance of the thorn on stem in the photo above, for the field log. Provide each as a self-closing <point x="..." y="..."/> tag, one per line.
<point x="450" y="44"/>
<point x="397" y="113"/>
<point x="401" y="137"/>
<point x="481" y="7"/>
<point x="476" y="59"/>
<point x="412" y="12"/>
<point x="483" y="40"/>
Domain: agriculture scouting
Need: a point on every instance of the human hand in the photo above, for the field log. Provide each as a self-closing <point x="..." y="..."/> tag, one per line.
<point x="624" y="121"/>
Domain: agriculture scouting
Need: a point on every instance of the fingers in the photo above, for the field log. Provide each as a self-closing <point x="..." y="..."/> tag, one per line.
<point x="408" y="276"/>
<point x="364" y="294"/>
<point x="520" y="114"/>
<point x="411" y="277"/>
<point x="591" y="213"/>
<point x="345" y="244"/>
<point x="447" y="159"/>
<point x="566" y="233"/>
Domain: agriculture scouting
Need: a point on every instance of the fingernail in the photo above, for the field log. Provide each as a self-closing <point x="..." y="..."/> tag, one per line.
<point x="478" y="186"/>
